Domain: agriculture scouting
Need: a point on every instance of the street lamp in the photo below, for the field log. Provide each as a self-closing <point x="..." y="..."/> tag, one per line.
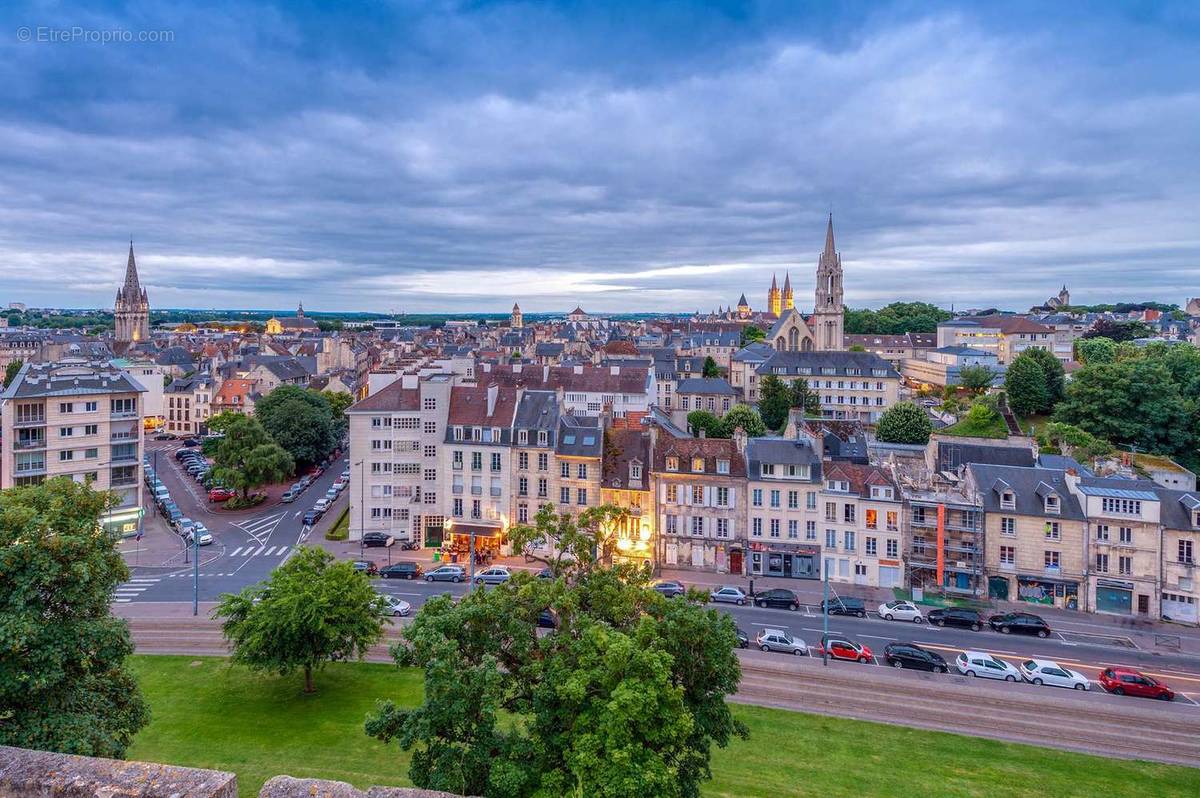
<point x="362" y="503"/>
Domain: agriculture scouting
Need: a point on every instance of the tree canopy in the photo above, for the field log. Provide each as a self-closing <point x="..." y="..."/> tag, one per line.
<point x="897" y="318"/>
<point x="63" y="681"/>
<point x="339" y="402"/>
<point x="11" y="370"/>
<point x="625" y="697"/>
<point x="703" y="420"/>
<point x="904" y="422"/>
<point x="1095" y="350"/>
<point x="247" y="458"/>
<point x="1025" y="386"/>
<point x="747" y="418"/>
<point x="976" y="379"/>
<point x="1119" y="330"/>
<point x="299" y="420"/>
<point x="805" y="398"/>
<point x="710" y="368"/>
<point x="775" y="400"/>
<point x="752" y="334"/>
<point x="312" y="609"/>
<point x="1052" y="370"/>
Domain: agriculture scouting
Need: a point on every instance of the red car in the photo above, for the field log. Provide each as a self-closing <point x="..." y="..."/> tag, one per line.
<point x="1127" y="681"/>
<point x="220" y="494"/>
<point x="841" y="648"/>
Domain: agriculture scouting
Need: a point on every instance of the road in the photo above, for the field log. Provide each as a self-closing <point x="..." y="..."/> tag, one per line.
<point x="1089" y="722"/>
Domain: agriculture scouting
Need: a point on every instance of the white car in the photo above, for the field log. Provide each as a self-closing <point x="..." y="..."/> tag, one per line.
<point x="728" y="594"/>
<point x="779" y="640"/>
<point x="900" y="611"/>
<point x="396" y="607"/>
<point x="1044" y="671"/>
<point x="199" y="529"/>
<point x="322" y="505"/>
<point x="985" y="666"/>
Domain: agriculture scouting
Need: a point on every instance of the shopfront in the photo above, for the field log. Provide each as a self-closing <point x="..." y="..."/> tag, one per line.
<point x="1061" y="593"/>
<point x="460" y="537"/>
<point x="123" y="522"/>
<point x="1114" y="596"/>
<point x="792" y="561"/>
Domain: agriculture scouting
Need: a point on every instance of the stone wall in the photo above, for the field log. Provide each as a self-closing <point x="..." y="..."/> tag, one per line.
<point x="26" y="773"/>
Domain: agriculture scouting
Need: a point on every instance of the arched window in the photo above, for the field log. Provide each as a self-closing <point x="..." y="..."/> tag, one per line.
<point x="793" y="340"/>
<point x="780" y="344"/>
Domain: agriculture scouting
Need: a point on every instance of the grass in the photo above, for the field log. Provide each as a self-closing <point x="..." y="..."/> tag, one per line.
<point x="966" y="427"/>
<point x="341" y="529"/>
<point x="207" y="713"/>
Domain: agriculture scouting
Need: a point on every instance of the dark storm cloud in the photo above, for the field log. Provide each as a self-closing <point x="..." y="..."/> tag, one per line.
<point x="458" y="157"/>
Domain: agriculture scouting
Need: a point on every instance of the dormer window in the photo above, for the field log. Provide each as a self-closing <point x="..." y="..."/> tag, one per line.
<point x="722" y="466"/>
<point x="672" y="463"/>
<point x="523" y="436"/>
<point x="543" y="437"/>
<point x="768" y="469"/>
<point x="1052" y="504"/>
<point x="838" y="485"/>
<point x="1196" y="519"/>
<point x="1008" y="500"/>
<point x="698" y="465"/>
<point x="635" y="472"/>
<point x="881" y="492"/>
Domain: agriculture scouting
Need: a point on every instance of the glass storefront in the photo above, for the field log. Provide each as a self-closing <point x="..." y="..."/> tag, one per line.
<point x="1114" y="597"/>
<point x="1051" y="592"/>
<point x="796" y="563"/>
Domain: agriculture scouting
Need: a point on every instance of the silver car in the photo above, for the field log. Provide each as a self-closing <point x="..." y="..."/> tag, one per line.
<point x="495" y="575"/>
<point x="728" y="594"/>
<point x="779" y="640"/>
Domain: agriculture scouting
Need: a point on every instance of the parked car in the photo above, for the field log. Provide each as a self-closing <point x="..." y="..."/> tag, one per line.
<point x="200" y="534"/>
<point x="367" y="567"/>
<point x="322" y="505"/>
<point x="743" y="639"/>
<point x="373" y="539"/>
<point x="495" y="575"/>
<point x="290" y="495"/>
<point x="779" y="597"/>
<point x="341" y="482"/>
<point x="670" y="588"/>
<point x="183" y="525"/>
<point x="956" y="616"/>
<point x="1127" y="681"/>
<point x="172" y="513"/>
<point x="912" y="656"/>
<point x="1044" y="671"/>
<point x="165" y="436"/>
<point x="331" y="495"/>
<point x="728" y="594"/>
<point x="546" y="573"/>
<point x="311" y="517"/>
<point x="900" y="611"/>
<point x="221" y="494"/>
<point x="446" y="573"/>
<point x="191" y="442"/>
<point x="401" y="570"/>
<point x="1025" y="623"/>
<point x="841" y="648"/>
<point x="547" y="619"/>
<point x="397" y="608"/>
<point x="845" y="605"/>
<point x="346" y="475"/>
<point x="182" y="453"/>
<point x="779" y="640"/>
<point x="985" y="666"/>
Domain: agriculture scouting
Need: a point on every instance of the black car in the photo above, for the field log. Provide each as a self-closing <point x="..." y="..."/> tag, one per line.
<point x="777" y="597"/>
<point x="956" y="616"/>
<point x="742" y="638"/>
<point x="845" y="605"/>
<point x="671" y="588"/>
<point x="401" y="570"/>
<point x="547" y="619"/>
<point x="371" y="539"/>
<point x="182" y="453"/>
<point x="1025" y="623"/>
<point x="910" y="655"/>
<point x="546" y="573"/>
<point x="191" y="442"/>
<point x="311" y="517"/>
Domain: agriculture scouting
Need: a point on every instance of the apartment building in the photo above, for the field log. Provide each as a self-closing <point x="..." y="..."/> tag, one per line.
<point x="586" y="390"/>
<point x="477" y="454"/>
<point x="1035" y="534"/>
<point x="80" y="419"/>
<point x="696" y="483"/>
<point x="535" y="435"/>
<point x="188" y="404"/>
<point x="710" y="394"/>
<point x="577" y="453"/>
<point x="1125" y="544"/>
<point x="625" y="483"/>
<point x="1180" y="514"/>
<point x="861" y="511"/>
<point x="1004" y="336"/>
<point x="784" y="478"/>
<point x="851" y="385"/>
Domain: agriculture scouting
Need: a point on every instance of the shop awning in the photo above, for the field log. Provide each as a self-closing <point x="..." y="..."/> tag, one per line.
<point x="1048" y="580"/>
<point x="476" y="529"/>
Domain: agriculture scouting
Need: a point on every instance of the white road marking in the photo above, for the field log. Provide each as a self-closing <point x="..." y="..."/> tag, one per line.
<point x="269" y="552"/>
<point x="282" y="549"/>
<point x="249" y="552"/>
<point x="234" y="553"/>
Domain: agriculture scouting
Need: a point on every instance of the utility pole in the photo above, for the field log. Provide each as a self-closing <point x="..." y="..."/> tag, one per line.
<point x="362" y="503"/>
<point x="825" y="621"/>
<point x="195" y="572"/>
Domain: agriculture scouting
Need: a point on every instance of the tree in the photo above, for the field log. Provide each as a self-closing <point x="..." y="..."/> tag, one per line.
<point x="1072" y="440"/>
<point x="312" y="610"/>
<point x="299" y="420"/>
<point x="578" y="541"/>
<point x="11" y="370"/>
<point x="1055" y="375"/>
<point x="775" y="401"/>
<point x="339" y="403"/>
<point x="63" y="681"/>
<point x="805" y="398"/>
<point x="625" y="698"/>
<point x="976" y="379"/>
<point x="897" y="318"/>
<point x="247" y="457"/>
<point x="752" y="334"/>
<point x="904" y="422"/>
<point x="857" y="348"/>
<point x="703" y="420"/>
<point x="220" y="422"/>
<point x="1095" y="350"/>
<point x="1119" y="330"/>
<point x="747" y="418"/>
<point x="1025" y="385"/>
<point x="710" y="368"/>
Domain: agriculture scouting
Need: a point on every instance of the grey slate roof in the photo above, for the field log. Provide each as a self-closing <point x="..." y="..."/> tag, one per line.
<point x="811" y="364"/>
<point x="538" y="411"/>
<point x="580" y="436"/>
<point x="36" y="380"/>
<point x="706" y="385"/>
<point x="781" y="451"/>
<point x="951" y="455"/>
<point x="1029" y="486"/>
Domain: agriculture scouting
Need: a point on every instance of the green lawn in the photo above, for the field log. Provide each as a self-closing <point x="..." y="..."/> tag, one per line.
<point x="969" y="428"/>
<point x="207" y="713"/>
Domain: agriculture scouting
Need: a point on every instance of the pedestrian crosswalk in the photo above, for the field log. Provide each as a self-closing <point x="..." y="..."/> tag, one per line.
<point x="261" y="528"/>
<point x="128" y="591"/>
<point x="257" y="551"/>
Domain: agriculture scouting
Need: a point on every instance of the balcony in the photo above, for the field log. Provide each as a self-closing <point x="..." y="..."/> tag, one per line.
<point x="29" y="445"/>
<point x="495" y="491"/>
<point x="130" y="457"/>
<point x="122" y="415"/>
<point x="456" y="489"/>
<point x="476" y="490"/>
<point x="23" y="422"/>
<point x="123" y="482"/>
<point x="120" y="437"/>
<point x="29" y="469"/>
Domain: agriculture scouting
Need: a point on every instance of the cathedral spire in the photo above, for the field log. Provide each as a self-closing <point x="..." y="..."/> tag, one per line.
<point x="829" y="248"/>
<point x="131" y="275"/>
<point x="774" y="284"/>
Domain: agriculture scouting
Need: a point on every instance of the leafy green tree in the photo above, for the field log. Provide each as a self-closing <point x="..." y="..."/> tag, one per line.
<point x="339" y="402"/>
<point x="625" y="698"/>
<point x="220" y="422"/>
<point x="578" y="541"/>
<point x="1072" y="440"/>
<point x="752" y="334"/>
<point x="897" y="318"/>
<point x="747" y="418"/>
<point x="775" y="401"/>
<point x="858" y="348"/>
<point x="704" y="420"/>
<point x="710" y="368"/>
<point x="904" y="422"/>
<point x="1119" y="330"/>
<point x="312" y="610"/>
<point x="11" y="370"/>
<point x="247" y="458"/>
<point x="1025" y="385"/>
<point x="976" y="379"/>
<point x="63" y="681"/>
<point x="1052" y="368"/>
<point x="805" y="398"/>
<point x="300" y="421"/>
<point x="1095" y="350"/>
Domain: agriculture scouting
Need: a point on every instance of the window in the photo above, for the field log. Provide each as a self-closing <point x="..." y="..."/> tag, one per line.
<point x="123" y="406"/>
<point x="476" y="509"/>
<point x="881" y="492"/>
<point x="768" y="469"/>
<point x="893" y="548"/>
<point x="1008" y="500"/>
<point x="66" y="407"/>
<point x="756" y="527"/>
<point x="810" y="500"/>
<point x="722" y="497"/>
<point x="522" y="437"/>
<point x="1008" y="555"/>
<point x="90" y="407"/>
<point x="698" y="494"/>
<point x="793" y="529"/>
<point x="774" y="527"/>
<point x="1185" y="551"/>
<point x="581" y="471"/>
<point x="66" y="455"/>
<point x="1051" y="559"/>
<point x="848" y="540"/>
<point x="1053" y="530"/>
<point x="672" y="494"/>
<point x="872" y="519"/>
<point x="430" y="428"/>
<point x="838" y="485"/>
<point x="698" y="465"/>
<point x="775" y="498"/>
<point x="1052" y="504"/>
<point x="476" y="461"/>
<point x="1102" y="532"/>
<point x="523" y="461"/>
<point x="635" y="472"/>
<point x="756" y="497"/>
<point x="810" y="530"/>
<point x="564" y="470"/>
<point x="66" y="432"/>
<point x="564" y="495"/>
<point x="831" y="538"/>
<point x="457" y="510"/>
<point x="722" y="466"/>
<point x="849" y="512"/>
<point x="1125" y="565"/>
<point x="581" y="496"/>
<point x="793" y="499"/>
<point x="522" y="513"/>
<point x="698" y="525"/>
<point x="830" y="511"/>
<point x="543" y="461"/>
<point x="1126" y="534"/>
<point x="1102" y="563"/>
<point x="458" y="433"/>
<point x="672" y="525"/>
<point x="404" y="422"/>
<point x="542" y="488"/>
<point x="722" y="527"/>
<point x="1008" y="525"/>
<point x="870" y="546"/>
<point x="1114" y="506"/>
<point x="90" y="429"/>
<point x="672" y="463"/>
<point x="430" y="451"/>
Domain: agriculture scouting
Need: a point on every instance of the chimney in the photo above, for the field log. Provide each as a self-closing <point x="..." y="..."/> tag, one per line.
<point x="545" y="374"/>
<point x="578" y="369"/>
<point x="614" y="370"/>
<point x="739" y="440"/>
<point x="493" y="391"/>
<point x="795" y="424"/>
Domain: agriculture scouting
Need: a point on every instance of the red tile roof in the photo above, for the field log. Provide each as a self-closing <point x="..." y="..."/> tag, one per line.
<point x="592" y="379"/>
<point x="469" y="407"/>
<point x="389" y="399"/>
<point x="860" y="477"/>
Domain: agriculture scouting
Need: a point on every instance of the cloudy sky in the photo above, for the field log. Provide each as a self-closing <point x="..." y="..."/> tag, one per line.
<point x="626" y="156"/>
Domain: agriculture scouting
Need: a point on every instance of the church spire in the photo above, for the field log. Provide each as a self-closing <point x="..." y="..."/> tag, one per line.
<point x="829" y="248"/>
<point x="131" y="276"/>
<point x="774" y="285"/>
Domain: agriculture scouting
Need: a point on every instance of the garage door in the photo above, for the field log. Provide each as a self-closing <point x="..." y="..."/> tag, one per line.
<point x="889" y="576"/>
<point x="1114" y="599"/>
<point x="1179" y="608"/>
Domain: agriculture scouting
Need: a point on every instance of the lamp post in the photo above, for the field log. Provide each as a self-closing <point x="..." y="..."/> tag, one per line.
<point x="362" y="507"/>
<point x="825" y="620"/>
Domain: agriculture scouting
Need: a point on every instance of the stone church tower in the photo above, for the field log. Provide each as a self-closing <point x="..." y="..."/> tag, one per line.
<point x="518" y="321"/>
<point x="789" y="300"/>
<point x="132" y="308"/>
<point x="827" y="318"/>
<point x="774" y="299"/>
